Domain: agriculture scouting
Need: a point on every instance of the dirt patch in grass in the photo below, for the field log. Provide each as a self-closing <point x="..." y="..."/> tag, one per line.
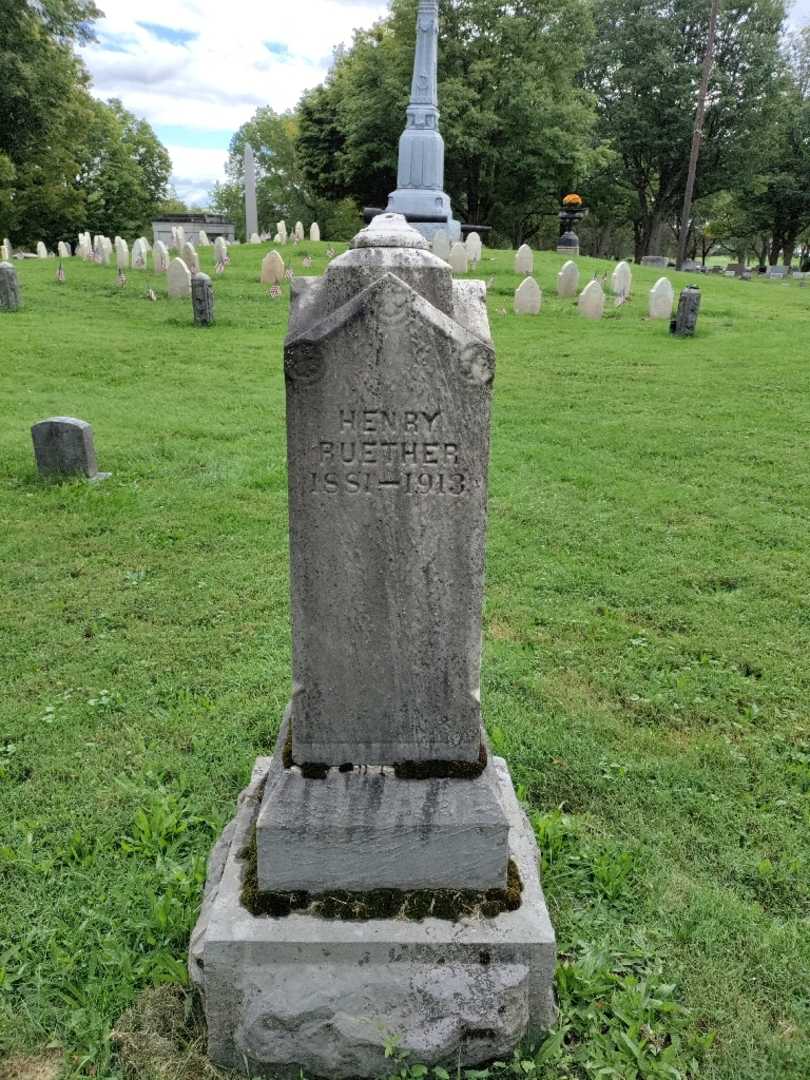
<point x="45" y="1066"/>
<point x="161" y="1037"/>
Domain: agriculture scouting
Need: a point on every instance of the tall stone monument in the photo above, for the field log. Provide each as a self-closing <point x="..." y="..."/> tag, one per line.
<point x="379" y="882"/>
<point x="420" y="175"/>
<point x="251" y="214"/>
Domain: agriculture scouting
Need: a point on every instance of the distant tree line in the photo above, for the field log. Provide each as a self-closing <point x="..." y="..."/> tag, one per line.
<point x="539" y="98"/>
<point x="67" y="161"/>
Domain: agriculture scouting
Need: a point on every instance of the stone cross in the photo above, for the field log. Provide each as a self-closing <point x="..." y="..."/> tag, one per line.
<point x="458" y="258"/>
<point x="10" y="298"/>
<point x="178" y="279"/>
<point x="662" y="295"/>
<point x="272" y="268"/>
<point x="315" y="232"/>
<point x="528" y="297"/>
<point x="251" y="214"/>
<point x="591" y="302"/>
<point x="621" y="280"/>
<point x="568" y="279"/>
<point x="382" y="790"/>
<point x="685" y="321"/>
<point x="63" y="446"/>
<point x="202" y="299"/>
<point x="524" y="260"/>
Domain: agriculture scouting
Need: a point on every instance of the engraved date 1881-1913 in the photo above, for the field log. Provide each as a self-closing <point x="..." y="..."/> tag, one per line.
<point x="387" y="450"/>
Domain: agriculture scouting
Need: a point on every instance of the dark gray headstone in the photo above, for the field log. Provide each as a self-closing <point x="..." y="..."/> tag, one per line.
<point x="202" y="299"/>
<point x="10" y="299"/>
<point x="388" y="398"/>
<point x="63" y="446"/>
<point x="685" y="321"/>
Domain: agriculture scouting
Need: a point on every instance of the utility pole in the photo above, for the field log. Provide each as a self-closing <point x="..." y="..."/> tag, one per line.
<point x="697" y="135"/>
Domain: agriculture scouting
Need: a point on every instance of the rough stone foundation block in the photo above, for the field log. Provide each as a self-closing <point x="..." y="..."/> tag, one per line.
<point x="327" y="996"/>
<point x="367" y="829"/>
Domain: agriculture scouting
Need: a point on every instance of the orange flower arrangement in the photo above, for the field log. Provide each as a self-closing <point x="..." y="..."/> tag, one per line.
<point x="572" y="200"/>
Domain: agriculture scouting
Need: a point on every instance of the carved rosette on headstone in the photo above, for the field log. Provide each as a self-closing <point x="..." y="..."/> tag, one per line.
<point x="382" y="779"/>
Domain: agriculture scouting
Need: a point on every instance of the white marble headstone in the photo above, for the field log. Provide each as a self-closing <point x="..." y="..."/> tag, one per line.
<point x="621" y="279"/>
<point x="179" y="279"/>
<point x="662" y="296"/>
<point x="568" y="279"/>
<point x="315" y="232"/>
<point x="161" y="257"/>
<point x="272" y="268"/>
<point x="528" y="297"/>
<point x="42" y="251"/>
<point x="458" y="258"/>
<point x="591" y="302"/>
<point x="441" y="244"/>
<point x="524" y="260"/>
<point x="474" y="248"/>
<point x="190" y="257"/>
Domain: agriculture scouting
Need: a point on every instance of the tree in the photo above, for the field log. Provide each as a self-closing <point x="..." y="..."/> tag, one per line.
<point x="644" y="68"/>
<point x="282" y="188"/>
<point x="516" y="128"/>
<point x="67" y="162"/>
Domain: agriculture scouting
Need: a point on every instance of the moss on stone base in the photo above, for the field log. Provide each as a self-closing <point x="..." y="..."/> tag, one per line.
<point x="414" y="904"/>
<point x="403" y="770"/>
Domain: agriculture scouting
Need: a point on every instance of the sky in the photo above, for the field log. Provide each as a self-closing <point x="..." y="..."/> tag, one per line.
<point x="198" y="69"/>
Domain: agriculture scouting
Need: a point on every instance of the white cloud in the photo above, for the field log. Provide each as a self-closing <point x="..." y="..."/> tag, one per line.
<point x="215" y="81"/>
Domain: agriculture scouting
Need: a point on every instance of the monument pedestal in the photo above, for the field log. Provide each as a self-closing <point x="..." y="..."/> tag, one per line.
<point x="327" y="995"/>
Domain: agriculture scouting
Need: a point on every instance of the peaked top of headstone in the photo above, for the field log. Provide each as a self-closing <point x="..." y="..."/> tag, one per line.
<point x="390" y="231"/>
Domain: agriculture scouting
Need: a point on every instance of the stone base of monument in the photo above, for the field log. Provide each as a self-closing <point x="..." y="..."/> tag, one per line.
<point x="328" y="995"/>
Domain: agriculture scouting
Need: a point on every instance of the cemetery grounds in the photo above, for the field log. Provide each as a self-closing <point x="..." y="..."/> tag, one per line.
<point x="645" y="670"/>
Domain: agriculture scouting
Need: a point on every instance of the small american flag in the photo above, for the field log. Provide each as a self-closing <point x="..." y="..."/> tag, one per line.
<point x="150" y="295"/>
<point x="307" y="261"/>
<point x="60" y="273"/>
<point x="501" y="310"/>
<point x="139" y="262"/>
<point x="289" y="275"/>
<point x="330" y="253"/>
<point x="274" y="292"/>
<point x="220" y="267"/>
<point x="121" y="280"/>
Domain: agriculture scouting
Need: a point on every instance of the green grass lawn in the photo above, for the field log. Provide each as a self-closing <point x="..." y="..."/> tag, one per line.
<point x="645" y="670"/>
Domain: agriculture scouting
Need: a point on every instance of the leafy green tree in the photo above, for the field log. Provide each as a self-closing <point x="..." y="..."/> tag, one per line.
<point x="644" y="69"/>
<point x="516" y="128"/>
<point x="283" y="191"/>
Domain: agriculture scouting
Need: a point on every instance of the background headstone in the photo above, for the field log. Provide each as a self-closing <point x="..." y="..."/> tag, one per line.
<point x="458" y="258"/>
<point x="42" y="251"/>
<point x="299" y="231"/>
<point x="474" y="248"/>
<point x="662" y="295"/>
<point x="591" y="302"/>
<point x="568" y="279"/>
<point x="315" y="232"/>
<point x="685" y="321"/>
<point x="190" y="257"/>
<point x="220" y="250"/>
<point x="441" y="244"/>
<point x="178" y="279"/>
<point x="121" y="254"/>
<point x="202" y="239"/>
<point x="528" y="297"/>
<point x="621" y="280"/>
<point x="160" y="255"/>
<point x="272" y="268"/>
<point x="5" y="251"/>
<point x="202" y="299"/>
<point x="139" y="254"/>
<point x="281" y="228"/>
<point x="10" y="297"/>
<point x="654" y="260"/>
<point x="63" y="446"/>
<point x="524" y="260"/>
